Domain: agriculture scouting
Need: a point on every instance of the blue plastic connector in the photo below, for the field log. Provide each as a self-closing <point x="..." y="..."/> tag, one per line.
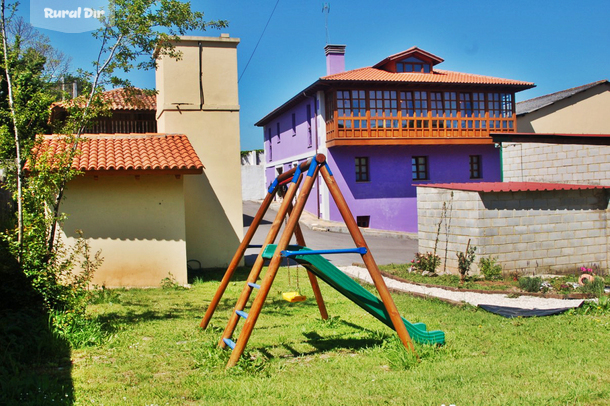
<point x="273" y="186"/>
<point x="229" y="343"/>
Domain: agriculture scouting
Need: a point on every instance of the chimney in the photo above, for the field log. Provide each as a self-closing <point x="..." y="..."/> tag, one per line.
<point x="335" y="59"/>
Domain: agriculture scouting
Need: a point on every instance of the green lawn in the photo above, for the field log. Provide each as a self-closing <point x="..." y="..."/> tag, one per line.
<point x="157" y="355"/>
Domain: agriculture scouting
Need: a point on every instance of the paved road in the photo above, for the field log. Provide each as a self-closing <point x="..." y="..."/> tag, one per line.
<point x="385" y="250"/>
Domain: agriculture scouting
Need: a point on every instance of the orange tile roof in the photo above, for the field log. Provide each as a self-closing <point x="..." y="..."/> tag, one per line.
<point x="130" y="153"/>
<point x="121" y="99"/>
<point x="439" y="76"/>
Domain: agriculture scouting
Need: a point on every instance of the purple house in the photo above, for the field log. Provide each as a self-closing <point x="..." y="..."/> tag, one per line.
<point x="389" y="127"/>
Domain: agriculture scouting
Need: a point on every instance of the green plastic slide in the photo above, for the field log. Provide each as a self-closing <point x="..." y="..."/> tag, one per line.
<point x="330" y="274"/>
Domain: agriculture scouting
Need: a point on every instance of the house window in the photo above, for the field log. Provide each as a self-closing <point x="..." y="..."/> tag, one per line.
<point x="278" y="132"/>
<point x="294" y="124"/>
<point x="362" y="169"/>
<point x="478" y="110"/>
<point x="419" y="167"/>
<point x="270" y="144"/>
<point x="383" y="103"/>
<point x="351" y="104"/>
<point x="466" y="104"/>
<point x="500" y="105"/>
<point x="414" y="104"/>
<point x="309" y="134"/>
<point x="363" y="221"/>
<point x="436" y="109"/>
<point x="412" y="64"/>
<point x="475" y="167"/>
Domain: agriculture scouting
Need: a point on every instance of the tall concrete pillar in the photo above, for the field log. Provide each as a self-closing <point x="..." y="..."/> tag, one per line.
<point x="197" y="96"/>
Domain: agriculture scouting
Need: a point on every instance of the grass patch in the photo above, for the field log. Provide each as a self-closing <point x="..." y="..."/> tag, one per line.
<point x="156" y="353"/>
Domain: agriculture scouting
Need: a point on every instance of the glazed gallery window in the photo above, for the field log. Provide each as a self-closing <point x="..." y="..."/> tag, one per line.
<point x="475" y="167"/>
<point x="419" y="167"/>
<point x="362" y="169"/>
<point x="351" y="104"/>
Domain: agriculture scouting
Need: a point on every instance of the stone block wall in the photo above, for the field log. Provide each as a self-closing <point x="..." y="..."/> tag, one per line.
<point x="556" y="163"/>
<point x="533" y="232"/>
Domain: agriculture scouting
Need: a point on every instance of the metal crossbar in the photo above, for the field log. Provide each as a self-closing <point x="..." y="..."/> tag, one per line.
<point x="359" y="250"/>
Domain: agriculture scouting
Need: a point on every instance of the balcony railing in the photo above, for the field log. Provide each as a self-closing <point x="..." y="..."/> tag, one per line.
<point x="405" y="130"/>
<point x="114" y="126"/>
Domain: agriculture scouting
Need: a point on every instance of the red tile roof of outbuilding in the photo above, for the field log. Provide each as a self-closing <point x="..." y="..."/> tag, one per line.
<point x="120" y="99"/>
<point x="438" y="76"/>
<point x="130" y="153"/>
<point x="510" y="186"/>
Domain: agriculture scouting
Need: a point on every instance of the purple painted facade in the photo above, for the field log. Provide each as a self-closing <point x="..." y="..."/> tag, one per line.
<point x="295" y="142"/>
<point x="389" y="198"/>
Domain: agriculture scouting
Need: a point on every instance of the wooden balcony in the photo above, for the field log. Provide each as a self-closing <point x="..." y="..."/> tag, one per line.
<point x="428" y="130"/>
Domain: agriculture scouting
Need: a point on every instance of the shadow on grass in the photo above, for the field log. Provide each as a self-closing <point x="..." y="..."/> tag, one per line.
<point x="216" y="274"/>
<point x="35" y="365"/>
<point x="335" y="342"/>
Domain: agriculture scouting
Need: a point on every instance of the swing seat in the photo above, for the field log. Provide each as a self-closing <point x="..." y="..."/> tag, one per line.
<point x="293" y="297"/>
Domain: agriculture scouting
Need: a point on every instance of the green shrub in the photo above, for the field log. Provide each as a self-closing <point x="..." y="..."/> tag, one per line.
<point x="490" y="268"/>
<point x="77" y="329"/>
<point x="530" y="284"/>
<point x="465" y="259"/>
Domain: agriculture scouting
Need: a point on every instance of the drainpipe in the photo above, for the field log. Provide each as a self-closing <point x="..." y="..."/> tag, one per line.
<point x="315" y="137"/>
<point x="200" y="77"/>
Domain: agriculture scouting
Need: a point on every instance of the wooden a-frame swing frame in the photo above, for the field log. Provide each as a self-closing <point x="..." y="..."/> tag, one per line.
<point x="308" y="170"/>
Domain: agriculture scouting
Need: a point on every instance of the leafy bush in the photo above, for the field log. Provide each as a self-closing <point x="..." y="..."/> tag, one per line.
<point x="465" y="259"/>
<point x="426" y="262"/>
<point x="530" y="284"/>
<point x="490" y="268"/>
<point x="77" y="329"/>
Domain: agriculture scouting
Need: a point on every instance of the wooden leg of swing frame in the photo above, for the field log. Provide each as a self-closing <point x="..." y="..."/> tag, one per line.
<point x="257" y="305"/>
<point x="368" y="259"/>
<point x="236" y="258"/>
<point x="258" y="264"/>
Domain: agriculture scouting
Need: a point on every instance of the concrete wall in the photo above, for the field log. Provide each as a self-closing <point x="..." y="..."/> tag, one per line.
<point x="253" y="176"/>
<point x="533" y="232"/>
<point x="556" y="163"/>
<point x="213" y="201"/>
<point x="137" y="223"/>
<point x="584" y="113"/>
<point x="253" y="182"/>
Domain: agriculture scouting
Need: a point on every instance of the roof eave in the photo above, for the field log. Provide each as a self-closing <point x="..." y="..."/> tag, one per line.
<point x="303" y="94"/>
<point x="551" y="138"/>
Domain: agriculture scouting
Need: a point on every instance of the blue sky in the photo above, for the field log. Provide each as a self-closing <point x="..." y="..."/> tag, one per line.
<point x="555" y="44"/>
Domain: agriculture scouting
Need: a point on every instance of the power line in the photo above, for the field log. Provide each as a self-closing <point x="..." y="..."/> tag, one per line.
<point x="259" y="41"/>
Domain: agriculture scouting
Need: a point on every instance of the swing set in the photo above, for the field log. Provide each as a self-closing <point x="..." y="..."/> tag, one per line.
<point x="383" y="308"/>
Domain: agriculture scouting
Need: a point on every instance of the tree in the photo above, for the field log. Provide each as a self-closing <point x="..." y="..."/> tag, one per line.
<point x="132" y="37"/>
<point x="137" y="32"/>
